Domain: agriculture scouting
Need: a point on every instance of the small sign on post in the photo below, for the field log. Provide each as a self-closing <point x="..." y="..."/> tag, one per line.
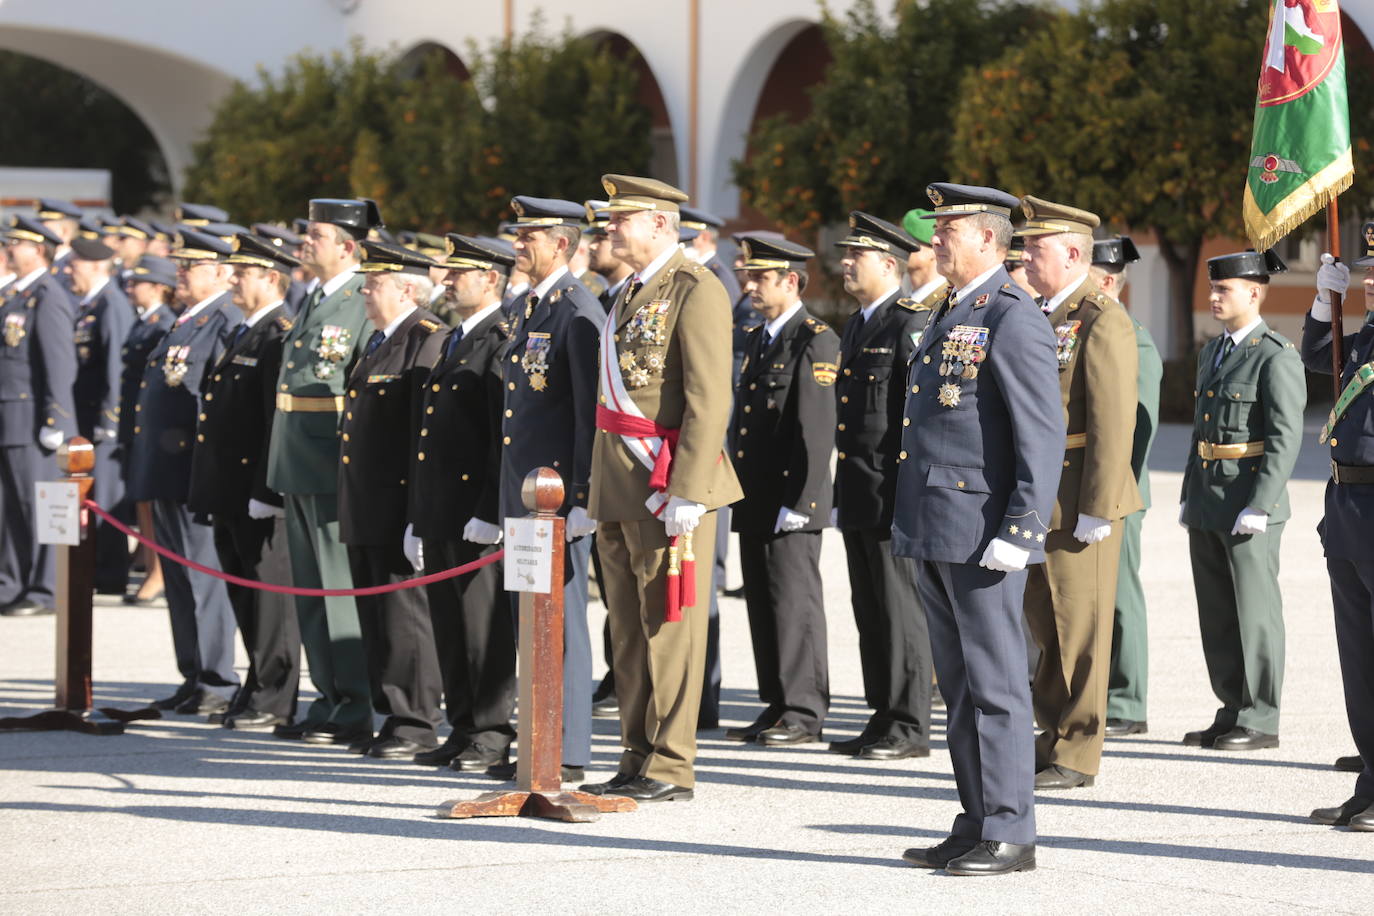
<point x="57" y="512"/>
<point x="529" y="555"/>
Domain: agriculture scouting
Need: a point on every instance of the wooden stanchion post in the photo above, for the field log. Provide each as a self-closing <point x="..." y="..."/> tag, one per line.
<point x="538" y="789"/>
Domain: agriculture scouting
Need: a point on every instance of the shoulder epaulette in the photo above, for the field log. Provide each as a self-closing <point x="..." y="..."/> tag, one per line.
<point x="816" y="325"/>
<point x="1100" y="299"/>
<point x="283" y="322"/>
<point x="504" y="325"/>
<point x="753" y="329"/>
<point x="911" y="305"/>
<point x="428" y="325"/>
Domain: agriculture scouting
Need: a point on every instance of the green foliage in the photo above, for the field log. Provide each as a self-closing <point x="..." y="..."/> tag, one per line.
<point x="545" y="116"/>
<point x="882" y="120"/>
<point x="54" y="118"/>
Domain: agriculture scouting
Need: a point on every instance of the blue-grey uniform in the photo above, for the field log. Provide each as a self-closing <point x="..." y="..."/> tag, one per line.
<point x="103" y="319"/>
<point x="37" y="368"/>
<point x="982" y="444"/>
<point x="550" y="421"/>
<point x="160" y="472"/>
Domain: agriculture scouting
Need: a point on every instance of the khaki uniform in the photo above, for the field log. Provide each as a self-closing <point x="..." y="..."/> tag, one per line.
<point x="1070" y="599"/>
<point x="685" y="385"/>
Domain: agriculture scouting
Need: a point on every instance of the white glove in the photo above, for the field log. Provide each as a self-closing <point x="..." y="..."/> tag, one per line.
<point x="1182" y="507"/>
<point x="480" y="532"/>
<point x="1251" y="521"/>
<point x="259" y="509"/>
<point x="101" y="434"/>
<point x="790" y="521"/>
<point x="1091" y="529"/>
<point x="681" y="516"/>
<point x="1331" y="278"/>
<point x="414" y="548"/>
<point x="579" y="523"/>
<point x="1004" y="556"/>
<point x="50" y="439"/>
<point x="835" y="517"/>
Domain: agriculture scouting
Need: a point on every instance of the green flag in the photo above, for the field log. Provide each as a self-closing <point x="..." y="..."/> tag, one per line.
<point x="1300" y="157"/>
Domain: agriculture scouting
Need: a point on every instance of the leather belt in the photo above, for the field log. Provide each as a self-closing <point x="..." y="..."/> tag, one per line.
<point x="1075" y="440"/>
<point x="1352" y="473"/>
<point x="288" y="403"/>
<point x="1216" y="451"/>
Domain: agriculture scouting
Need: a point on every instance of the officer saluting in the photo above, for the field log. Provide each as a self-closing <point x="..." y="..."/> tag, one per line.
<point x="784" y="414"/>
<point x="1247" y="430"/>
<point x="980" y="465"/>
<point x="879" y="340"/>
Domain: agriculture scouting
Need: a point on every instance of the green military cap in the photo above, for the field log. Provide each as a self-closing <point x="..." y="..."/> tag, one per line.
<point x="384" y="257"/>
<point x="919" y="226"/>
<point x="765" y="253"/>
<point x="251" y="251"/>
<point x="1045" y="217"/>
<point x="629" y="193"/>
<point x="868" y="231"/>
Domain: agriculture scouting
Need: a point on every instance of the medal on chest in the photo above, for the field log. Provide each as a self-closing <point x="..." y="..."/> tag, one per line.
<point x="14" y="328"/>
<point x="963" y="351"/>
<point x="649" y="324"/>
<point x="535" y="361"/>
<point x="1066" y="341"/>
<point x="334" y="347"/>
<point x="176" y="364"/>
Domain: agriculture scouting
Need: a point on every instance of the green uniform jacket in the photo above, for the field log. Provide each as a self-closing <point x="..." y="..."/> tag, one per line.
<point x="318" y="353"/>
<point x="1256" y="395"/>
<point x="1151" y="374"/>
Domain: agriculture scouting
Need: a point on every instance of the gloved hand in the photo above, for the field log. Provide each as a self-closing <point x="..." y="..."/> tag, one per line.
<point x="259" y="509"/>
<point x="1091" y="529"/>
<point x="101" y="434"/>
<point x="681" y="516"/>
<point x="1251" y="521"/>
<point x="51" y="439"/>
<point x="835" y="517"/>
<point x="579" y="523"/>
<point x="1181" y="508"/>
<point x="414" y="548"/>
<point x="790" y="521"/>
<point x="480" y="532"/>
<point x="1331" y="278"/>
<point x="1004" y="556"/>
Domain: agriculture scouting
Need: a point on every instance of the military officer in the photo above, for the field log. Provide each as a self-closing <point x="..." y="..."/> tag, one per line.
<point x="374" y="473"/>
<point x="229" y="483"/>
<point x="37" y="370"/>
<point x="1069" y="599"/>
<point x="1126" y="680"/>
<point x="454" y="498"/>
<point x="703" y="250"/>
<point x="602" y="256"/>
<point x="1247" y="429"/>
<point x="550" y="421"/>
<point x="1016" y="268"/>
<point x="288" y="242"/>
<point x="160" y="472"/>
<point x="894" y="644"/>
<point x="129" y="239"/>
<point x="303" y="466"/>
<point x="1344" y="529"/>
<point x="980" y="464"/>
<point x="103" y="320"/>
<point x="660" y="473"/>
<point x="927" y="286"/>
<point x="63" y="218"/>
<point x="783" y="418"/>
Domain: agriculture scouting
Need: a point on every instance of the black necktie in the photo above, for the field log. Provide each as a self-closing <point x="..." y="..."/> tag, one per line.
<point x="238" y="335"/>
<point x="453" y="340"/>
<point x="374" y="342"/>
<point x="858" y="321"/>
<point x="1227" y="346"/>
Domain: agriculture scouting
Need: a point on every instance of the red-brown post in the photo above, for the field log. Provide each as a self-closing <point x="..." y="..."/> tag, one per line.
<point x="541" y="650"/>
<point x="75" y="585"/>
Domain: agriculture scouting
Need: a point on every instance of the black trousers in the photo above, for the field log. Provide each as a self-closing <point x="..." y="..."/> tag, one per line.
<point x="111" y="546"/>
<point x="1352" y="593"/>
<point x="402" y="665"/>
<point x="894" y="642"/>
<point x="27" y="568"/>
<point x="256" y="549"/>
<point x="782" y="590"/>
<point x="474" y="633"/>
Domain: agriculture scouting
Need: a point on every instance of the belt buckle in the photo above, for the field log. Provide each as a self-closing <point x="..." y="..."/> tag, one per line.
<point x="1335" y="471"/>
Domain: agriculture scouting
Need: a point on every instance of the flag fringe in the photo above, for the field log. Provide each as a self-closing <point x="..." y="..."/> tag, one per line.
<point x="1266" y="229"/>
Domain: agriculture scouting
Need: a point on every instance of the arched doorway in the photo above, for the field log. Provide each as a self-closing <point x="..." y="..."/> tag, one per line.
<point x="663" y="161"/>
<point x="414" y="61"/>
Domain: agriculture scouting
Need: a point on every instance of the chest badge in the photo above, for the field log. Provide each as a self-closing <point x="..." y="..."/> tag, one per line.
<point x="175" y="365"/>
<point x="1066" y="341"/>
<point x="535" y="362"/>
<point x="335" y="344"/>
<point x="14" y="329"/>
<point x="948" y="395"/>
<point x="962" y="351"/>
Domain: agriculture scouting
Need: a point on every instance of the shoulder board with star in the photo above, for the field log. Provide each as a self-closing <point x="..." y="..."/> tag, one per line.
<point x="429" y="325"/>
<point x="283" y="322"/>
<point x="1278" y="339"/>
<point x="816" y="325"/>
<point x="1101" y="299"/>
<point x="911" y="305"/>
<point x="753" y="329"/>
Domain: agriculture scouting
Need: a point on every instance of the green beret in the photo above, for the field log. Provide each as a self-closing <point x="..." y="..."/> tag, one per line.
<point x="919" y="225"/>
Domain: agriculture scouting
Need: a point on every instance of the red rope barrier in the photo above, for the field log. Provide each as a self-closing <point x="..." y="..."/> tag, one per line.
<point x="291" y="589"/>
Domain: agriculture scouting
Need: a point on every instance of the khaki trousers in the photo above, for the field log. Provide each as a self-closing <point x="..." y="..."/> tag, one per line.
<point x="1070" y="601"/>
<point x="658" y="666"/>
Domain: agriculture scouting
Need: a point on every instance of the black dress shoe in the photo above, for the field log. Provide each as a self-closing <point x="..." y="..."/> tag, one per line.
<point x="1118" y="728"/>
<point x="444" y="754"/>
<point x="766" y="720"/>
<point x="993" y="858"/>
<point x="25" y="607"/>
<point x="1244" y="739"/>
<point x="201" y="703"/>
<point x="1340" y="816"/>
<point x="252" y="721"/>
<point x="1363" y="823"/>
<point x="506" y="772"/>
<point x="893" y="748"/>
<point x="182" y="694"/>
<point x="617" y="781"/>
<point x="334" y="733"/>
<point x="1205" y="738"/>
<point x="939" y="856"/>
<point x="477" y="757"/>
<point x="606" y="708"/>
<point x="1352" y="764"/>
<point x="849" y="745"/>
<point x="394" y="747"/>
<point x="644" y="789"/>
<point x="1056" y="777"/>
<point x="781" y="735"/>
<point x="292" y="732"/>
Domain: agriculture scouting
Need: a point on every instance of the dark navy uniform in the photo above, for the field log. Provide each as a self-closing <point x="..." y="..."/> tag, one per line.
<point x="894" y="644"/>
<point x="37" y="369"/>
<point x="784" y="414"/>
<point x="147" y="331"/>
<point x="160" y="472"/>
<point x="980" y="459"/>
<point x="229" y="468"/>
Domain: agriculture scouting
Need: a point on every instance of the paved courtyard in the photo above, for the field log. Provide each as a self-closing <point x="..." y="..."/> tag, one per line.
<point x="177" y="816"/>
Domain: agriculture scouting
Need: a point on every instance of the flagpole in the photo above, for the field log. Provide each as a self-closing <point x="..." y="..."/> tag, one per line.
<point x="1333" y="235"/>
